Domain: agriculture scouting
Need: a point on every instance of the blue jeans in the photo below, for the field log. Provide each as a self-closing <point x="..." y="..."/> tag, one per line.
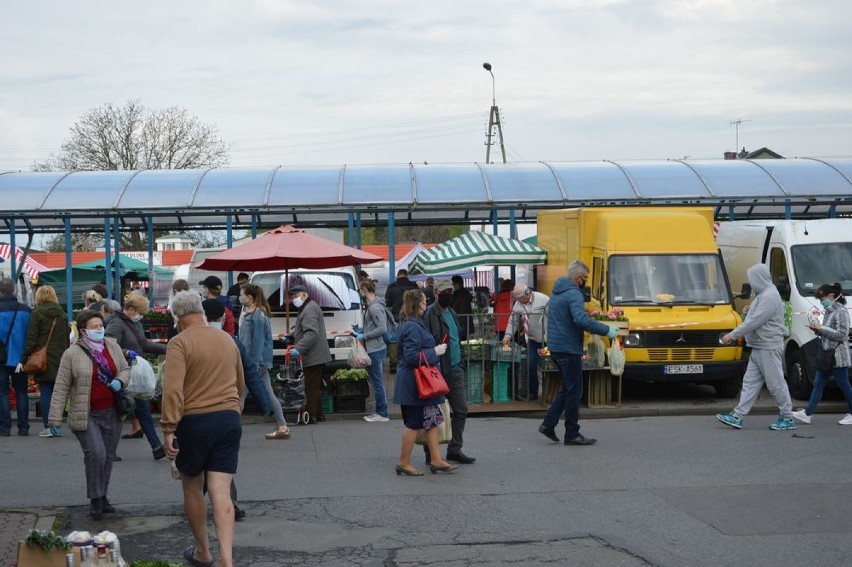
<point x="143" y="414"/>
<point x="19" y="383"/>
<point x="532" y="367"/>
<point x="841" y="376"/>
<point x="569" y="397"/>
<point x="377" y="381"/>
<point x="45" y="393"/>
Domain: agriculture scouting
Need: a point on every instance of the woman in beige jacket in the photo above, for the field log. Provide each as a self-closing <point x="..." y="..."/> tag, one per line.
<point x="89" y="373"/>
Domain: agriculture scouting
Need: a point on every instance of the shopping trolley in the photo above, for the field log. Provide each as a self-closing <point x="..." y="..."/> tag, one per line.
<point x="291" y="382"/>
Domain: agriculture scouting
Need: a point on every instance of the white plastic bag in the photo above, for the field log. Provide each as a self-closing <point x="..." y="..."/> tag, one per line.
<point x="359" y="358"/>
<point x="616" y="358"/>
<point x="143" y="380"/>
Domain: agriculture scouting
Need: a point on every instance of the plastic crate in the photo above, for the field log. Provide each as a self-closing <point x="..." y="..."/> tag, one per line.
<point x="500" y="382"/>
<point x="353" y="388"/>
<point x="350" y="404"/>
<point x="475" y="382"/>
<point x="499" y="354"/>
<point x="327" y="404"/>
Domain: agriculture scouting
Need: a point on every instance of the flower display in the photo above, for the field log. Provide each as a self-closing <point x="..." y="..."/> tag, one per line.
<point x="614" y="314"/>
<point x="664" y="297"/>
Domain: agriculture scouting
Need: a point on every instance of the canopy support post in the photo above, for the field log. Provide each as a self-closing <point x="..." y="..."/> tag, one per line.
<point x="358" y="231"/>
<point x="151" y="284"/>
<point x="69" y="304"/>
<point x="229" y="238"/>
<point x="391" y="248"/>
<point x="116" y="265"/>
<point x="513" y="233"/>
<point x="350" y="225"/>
<point x="107" y="255"/>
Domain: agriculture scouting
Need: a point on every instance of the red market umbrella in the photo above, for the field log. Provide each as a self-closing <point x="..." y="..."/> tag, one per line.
<point x="287" y="248"/>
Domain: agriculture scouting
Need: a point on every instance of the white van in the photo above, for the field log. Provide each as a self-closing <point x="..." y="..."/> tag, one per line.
<point x="335" y="290"/>
<point x="801" y="255"/>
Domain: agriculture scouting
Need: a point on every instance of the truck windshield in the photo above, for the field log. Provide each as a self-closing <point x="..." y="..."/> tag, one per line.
<point x="669" y="280"/>
<point x="817" y="264"/>
<point x="333" y="291"/>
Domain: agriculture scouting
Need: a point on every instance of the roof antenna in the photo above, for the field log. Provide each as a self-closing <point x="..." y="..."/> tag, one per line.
<point x="806" y="228"/>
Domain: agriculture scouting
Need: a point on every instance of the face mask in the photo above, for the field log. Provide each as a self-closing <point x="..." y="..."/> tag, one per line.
<point x="297" y="302"/>
<point x="444" y="299"/>
<point x="96" y="335"/>
<point x="363" y="297"/>
<point x="216" y="324"/>
<point x="136" y="318"/>
<point x="244" y="300"/>
<point x="826" y="302"/>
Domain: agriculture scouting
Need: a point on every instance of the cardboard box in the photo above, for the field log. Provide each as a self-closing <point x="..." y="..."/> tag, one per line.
<point x="37" y="557"/>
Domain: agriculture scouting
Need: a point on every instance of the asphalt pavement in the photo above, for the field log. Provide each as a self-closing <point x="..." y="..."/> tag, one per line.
<point x="657" y="489"/>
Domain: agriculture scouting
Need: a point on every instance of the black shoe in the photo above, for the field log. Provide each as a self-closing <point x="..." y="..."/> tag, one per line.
<point x="6" y="433"/>
<point x="106" y="506"/>
<point x="461" y="458"/>
<point x="549" y="433"/>
<point x="239" y="513"/>
<point x="393" y="369"/>
<point x="116" y="459"/>
<point x="580" y="440"/>
<point x="159" y="453"/>
<point x="321" y="418"/>
<point x="137" y="435"/>
<point x="96" y="510"/>
<point x="23" y="432"/>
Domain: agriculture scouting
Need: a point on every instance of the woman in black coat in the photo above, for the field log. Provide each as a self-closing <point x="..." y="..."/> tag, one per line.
<point x="414" y="339"/>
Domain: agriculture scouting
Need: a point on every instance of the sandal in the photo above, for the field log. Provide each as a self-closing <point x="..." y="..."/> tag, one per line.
<point x="189" y="555"/>
<point x="280" y="433"/>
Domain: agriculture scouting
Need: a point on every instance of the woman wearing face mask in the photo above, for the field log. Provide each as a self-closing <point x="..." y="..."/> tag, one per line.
<point x="832" y="334"/>
<point x="311" y="344"/>
<point x="126" y="328"/>
<point x="256" y="335"/>
<point x="89" y="372"/>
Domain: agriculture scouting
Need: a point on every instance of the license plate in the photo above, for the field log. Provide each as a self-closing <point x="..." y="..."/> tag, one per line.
<point x="683" y="369"/>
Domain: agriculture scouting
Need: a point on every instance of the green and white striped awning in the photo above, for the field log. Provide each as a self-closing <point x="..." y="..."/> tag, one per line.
<point x="476" y="248"/>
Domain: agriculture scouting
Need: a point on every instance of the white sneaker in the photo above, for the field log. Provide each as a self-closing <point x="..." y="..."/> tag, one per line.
<point x="376" y="418"/>
<point x="45" y="433"/>
<point x="802" y="416"/>
<point x="847" y="419"/>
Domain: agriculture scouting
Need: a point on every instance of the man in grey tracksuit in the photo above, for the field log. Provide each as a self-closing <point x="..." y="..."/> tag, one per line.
<point x="763" y="330"/>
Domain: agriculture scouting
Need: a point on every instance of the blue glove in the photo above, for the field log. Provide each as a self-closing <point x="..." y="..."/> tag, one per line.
<point x="131" y="354"/>
<point x="114" y="385"/>
<point x="359" y="336"/>
<point x="611" y="334"/>
<point x="357" y="329"/>
<point x="294" y="352"/>
<point x="56" y="431"/>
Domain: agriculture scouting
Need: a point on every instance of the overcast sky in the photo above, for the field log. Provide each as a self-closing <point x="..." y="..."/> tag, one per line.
<point x="388" y="82"/>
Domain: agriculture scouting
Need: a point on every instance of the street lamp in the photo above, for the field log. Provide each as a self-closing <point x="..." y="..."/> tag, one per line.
<point x="493" y="119"/>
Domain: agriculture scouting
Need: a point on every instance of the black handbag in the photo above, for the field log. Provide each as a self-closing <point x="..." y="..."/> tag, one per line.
<point x="825" y="360"/>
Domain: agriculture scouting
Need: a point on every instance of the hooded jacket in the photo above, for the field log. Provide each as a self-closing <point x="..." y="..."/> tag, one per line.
<point x="567" y="318"/>
<point x="41" y="320"/>
<point x="17" y="334"/>
<point x="375" y="326"/>
<point x="310" y="335"/>
<point x="764" y="324"/>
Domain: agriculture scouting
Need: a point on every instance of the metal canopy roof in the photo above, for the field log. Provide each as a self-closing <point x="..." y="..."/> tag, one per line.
<point x="417" y="194"/>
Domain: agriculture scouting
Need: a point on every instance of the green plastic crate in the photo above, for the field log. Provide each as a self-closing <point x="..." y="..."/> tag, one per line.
<point x="500" y="382"/>
<point x="327" y="404"/>
<point x="475" y="382"/>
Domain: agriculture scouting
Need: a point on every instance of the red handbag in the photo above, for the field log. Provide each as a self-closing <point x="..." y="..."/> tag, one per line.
<point x="430" y="381"/>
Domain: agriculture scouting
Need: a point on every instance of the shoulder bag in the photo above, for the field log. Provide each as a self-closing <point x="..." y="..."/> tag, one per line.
<point x="37" y="361"/>
<point x="430" y="381"/>
<point x="825" y="360"/>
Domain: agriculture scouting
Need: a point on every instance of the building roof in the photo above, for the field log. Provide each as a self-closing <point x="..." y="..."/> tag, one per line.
<point x="400" y="249"/>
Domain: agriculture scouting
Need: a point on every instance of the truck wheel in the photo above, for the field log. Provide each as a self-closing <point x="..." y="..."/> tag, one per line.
<point x="797" y="378"/>
<point x="728" y="388"/>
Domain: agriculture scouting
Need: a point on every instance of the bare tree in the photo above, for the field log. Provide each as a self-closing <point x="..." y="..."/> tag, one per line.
<point x="132" y="137"/>
<point x="206" y="238"/>
<point x="80" y="242"/>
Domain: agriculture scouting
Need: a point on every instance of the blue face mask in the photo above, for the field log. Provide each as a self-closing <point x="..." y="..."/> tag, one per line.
<point x="96" y="335"/>
<point x="826" y="302"/>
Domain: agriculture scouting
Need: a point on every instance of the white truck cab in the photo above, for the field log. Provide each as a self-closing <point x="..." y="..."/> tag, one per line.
<point x="335" y="290"/>
<point x="801" y="256"/>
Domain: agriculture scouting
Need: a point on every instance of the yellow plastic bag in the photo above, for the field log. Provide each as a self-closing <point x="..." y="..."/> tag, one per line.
<point x="616" y="358"/>
<point x="595" y="351"/>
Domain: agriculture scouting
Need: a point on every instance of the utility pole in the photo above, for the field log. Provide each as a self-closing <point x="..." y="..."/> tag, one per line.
<point x="493" y="119"/>
<point x="736" y="123"/>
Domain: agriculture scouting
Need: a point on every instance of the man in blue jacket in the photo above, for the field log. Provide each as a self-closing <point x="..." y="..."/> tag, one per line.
<point x="566" y="320"/>
<point x="14" y="319"/>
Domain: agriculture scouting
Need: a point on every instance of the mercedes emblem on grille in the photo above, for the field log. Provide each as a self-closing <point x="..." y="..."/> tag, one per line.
<point x="681" y="339"/>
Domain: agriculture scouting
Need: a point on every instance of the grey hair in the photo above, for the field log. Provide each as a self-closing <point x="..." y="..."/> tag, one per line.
<point x="520" y="291"/>
<point x="112" y="305"/>
<point x="577" y="268"/>
<point x="7" y="286"/>
<point x="186" y="303"/>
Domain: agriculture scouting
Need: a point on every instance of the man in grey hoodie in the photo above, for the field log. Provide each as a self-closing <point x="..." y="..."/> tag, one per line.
<point x="763" y="330"/>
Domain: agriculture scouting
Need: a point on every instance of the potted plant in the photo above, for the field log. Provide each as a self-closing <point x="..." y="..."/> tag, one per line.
<point x="614" y="317"/>
<point x="351" y="382"/>
<point x="43" y="547"/>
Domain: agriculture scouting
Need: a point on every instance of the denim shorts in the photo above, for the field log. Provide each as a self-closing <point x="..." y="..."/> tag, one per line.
<point x="209" y="442"/>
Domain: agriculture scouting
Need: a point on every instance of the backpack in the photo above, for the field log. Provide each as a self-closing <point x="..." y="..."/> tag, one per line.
<point x="390" y="333"/>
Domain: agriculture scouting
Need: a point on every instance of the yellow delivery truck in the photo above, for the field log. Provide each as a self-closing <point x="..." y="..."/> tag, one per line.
<point x="661" y="267"/>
